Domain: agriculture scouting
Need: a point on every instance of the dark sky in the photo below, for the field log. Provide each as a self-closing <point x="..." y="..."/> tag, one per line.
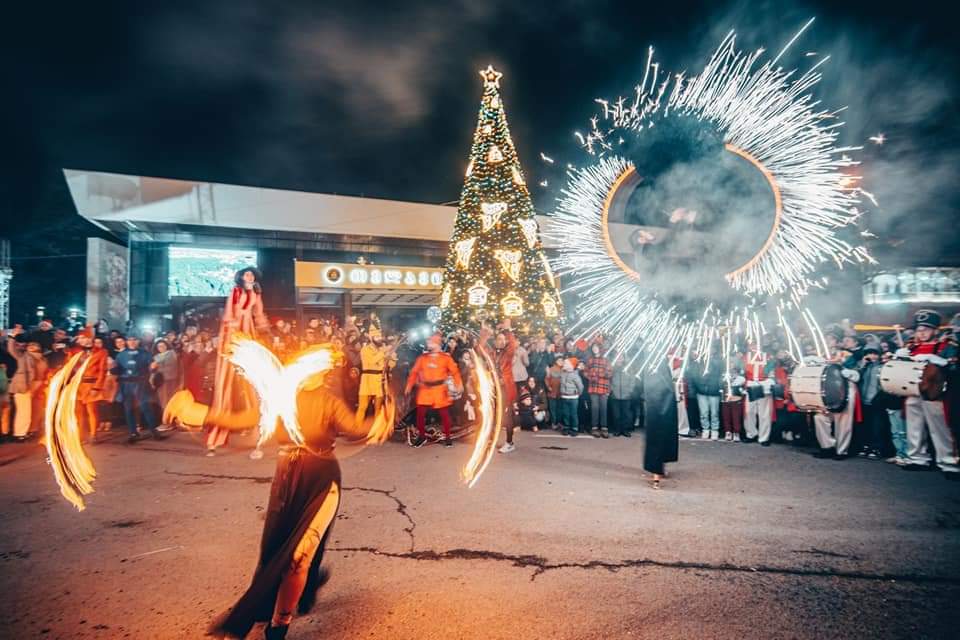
<point x="369" y="99"/>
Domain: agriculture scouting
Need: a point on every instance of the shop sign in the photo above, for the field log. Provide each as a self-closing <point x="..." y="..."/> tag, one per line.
<point x="367" y="276"/>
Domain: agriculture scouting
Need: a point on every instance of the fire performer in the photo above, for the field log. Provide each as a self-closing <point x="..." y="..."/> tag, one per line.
<point x="429" y="374"/>
<point x="243" y="313"/>
<point x="304" y="499"/>
<point x="929" y="416"/>
<point x="660" y="408"/>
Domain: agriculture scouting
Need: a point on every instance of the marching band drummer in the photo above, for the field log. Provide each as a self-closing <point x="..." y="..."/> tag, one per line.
<point x="834" y="430"/>
<point x="758" y="370"/>
<point x="929" y="415"/>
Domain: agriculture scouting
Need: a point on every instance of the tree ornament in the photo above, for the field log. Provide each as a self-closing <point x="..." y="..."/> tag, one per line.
<point x="487" y="129"/>
<point x="512" y="305"/>
<point x="494" y="155"/>
<point x="464" y="250"/>
<point x="509" y="262"/>
<point x="550" y="309"/>
<point x="469" y="168"/>
<point x="445" y="297"/>
<point x="491" y="212"/>
<point x="477" y="294"/>
<point x="495" y="102"/>
<point x="517" y="176"/>
<point x="529" y="228"/>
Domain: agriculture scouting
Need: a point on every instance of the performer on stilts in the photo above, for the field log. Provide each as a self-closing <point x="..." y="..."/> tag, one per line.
<point x="242" y="313"/>
<point x="304" y="499"/>
<point x="929" y="417"/>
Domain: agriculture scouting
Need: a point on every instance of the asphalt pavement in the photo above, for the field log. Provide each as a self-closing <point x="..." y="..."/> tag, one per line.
<point x="561" y="539"/>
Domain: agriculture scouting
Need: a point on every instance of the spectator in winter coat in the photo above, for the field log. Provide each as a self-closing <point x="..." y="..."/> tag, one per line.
<point x="552" y="382"/>
<point x="705" y="383"/>
<point x="875" y="401"/>
<point x="520" y="362"/>
<point x="622" y="388"/>
<point x="540" y="360"/>
<point x="571" y="386"/>
<point x="598" y="372"/>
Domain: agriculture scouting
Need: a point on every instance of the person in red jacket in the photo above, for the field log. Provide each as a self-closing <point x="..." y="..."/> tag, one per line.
<point x="90" y="393"/>
<point x="429" y="374"/>
<point x="501" y="352"/>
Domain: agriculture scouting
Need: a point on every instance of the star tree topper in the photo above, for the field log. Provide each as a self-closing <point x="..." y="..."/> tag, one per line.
<point x="491" y="77"/>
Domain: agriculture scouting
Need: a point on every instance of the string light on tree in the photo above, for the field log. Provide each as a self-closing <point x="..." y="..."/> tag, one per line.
<point x="495" y="266"/>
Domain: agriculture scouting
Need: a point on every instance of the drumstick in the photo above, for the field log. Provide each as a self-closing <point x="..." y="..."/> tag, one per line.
<point x="899" y="335"/>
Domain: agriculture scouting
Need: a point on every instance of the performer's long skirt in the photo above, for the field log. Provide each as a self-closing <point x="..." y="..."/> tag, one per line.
<point x="301" y="483"/>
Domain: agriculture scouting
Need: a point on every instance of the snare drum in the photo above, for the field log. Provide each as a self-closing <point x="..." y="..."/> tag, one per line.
<point x="906" y="378"/>
<point x="819" y="388"/>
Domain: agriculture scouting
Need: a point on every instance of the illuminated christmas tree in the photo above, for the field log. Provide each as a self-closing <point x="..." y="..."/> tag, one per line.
<point x="496" y="267"/>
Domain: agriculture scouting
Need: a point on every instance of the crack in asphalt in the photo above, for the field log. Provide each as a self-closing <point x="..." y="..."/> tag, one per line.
<point x="401" y="506"/>
<point x="541" y="565"/>
<point x="401" y="509"/>
<point x="220" y="476"/>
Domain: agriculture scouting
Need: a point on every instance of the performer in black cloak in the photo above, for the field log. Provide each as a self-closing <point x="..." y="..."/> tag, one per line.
<point x="304" y="499"/>
<point x="660" y="421"/>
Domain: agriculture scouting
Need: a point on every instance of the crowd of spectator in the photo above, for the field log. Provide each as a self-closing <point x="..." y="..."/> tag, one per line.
<point x="569" y="385"/>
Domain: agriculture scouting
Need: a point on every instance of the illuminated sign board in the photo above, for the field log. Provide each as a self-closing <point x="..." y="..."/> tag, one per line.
<point x="340" y="275"/>
<point x="929" y="285"/>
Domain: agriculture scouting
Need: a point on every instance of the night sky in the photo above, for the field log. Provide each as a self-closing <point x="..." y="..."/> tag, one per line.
<point x="362" y="99"/>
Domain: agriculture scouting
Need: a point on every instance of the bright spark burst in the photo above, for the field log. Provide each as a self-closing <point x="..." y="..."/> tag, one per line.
<point x="757" y="107"/>
<point x="878" y="139"/>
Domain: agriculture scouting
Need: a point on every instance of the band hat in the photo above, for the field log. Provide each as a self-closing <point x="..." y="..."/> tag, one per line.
<point x="926" y="318"/>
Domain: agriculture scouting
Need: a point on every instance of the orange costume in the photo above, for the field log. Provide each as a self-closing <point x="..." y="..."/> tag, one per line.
<point x="430" y="373"/>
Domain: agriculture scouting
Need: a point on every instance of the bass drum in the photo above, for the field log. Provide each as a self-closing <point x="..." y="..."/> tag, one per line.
<point x="906" y="378"/>
<point x="819" y="388"/>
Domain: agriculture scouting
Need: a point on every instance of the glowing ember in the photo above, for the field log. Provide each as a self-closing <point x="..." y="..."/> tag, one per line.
<point x="72" y="469"/>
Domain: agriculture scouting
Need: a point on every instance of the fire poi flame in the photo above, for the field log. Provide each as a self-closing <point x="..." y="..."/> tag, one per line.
<point x="277" y="384"/>
<point x="72" y="469"/>
<point x="491" y="412"/>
